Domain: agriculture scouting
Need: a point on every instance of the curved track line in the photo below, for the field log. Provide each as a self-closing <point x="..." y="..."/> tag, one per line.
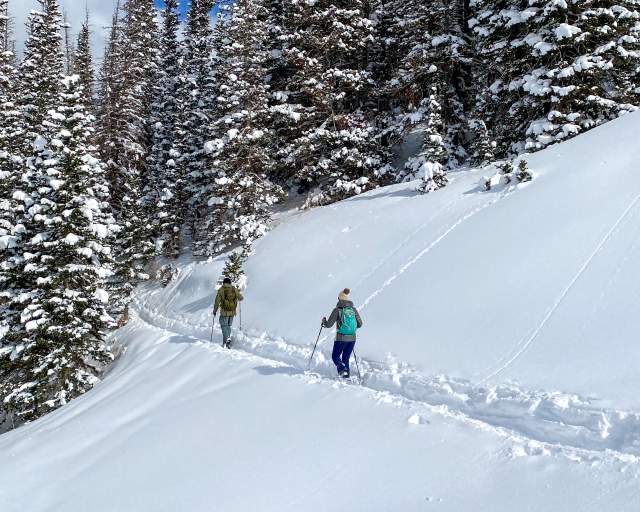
<point x="429" y="247"/>
<point x="565" y="292"/>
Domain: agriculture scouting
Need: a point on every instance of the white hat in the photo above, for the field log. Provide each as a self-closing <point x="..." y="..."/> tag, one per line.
<point x="344" y="294"/>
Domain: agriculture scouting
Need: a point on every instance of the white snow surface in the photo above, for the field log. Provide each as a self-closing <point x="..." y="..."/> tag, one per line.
<point x="499" y="358"/>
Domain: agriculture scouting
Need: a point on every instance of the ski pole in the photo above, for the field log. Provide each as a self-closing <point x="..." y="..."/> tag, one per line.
<point x="240" y="304"/>
<point x="357" y="367"/>
<point x="314" y="347"/>
<point x="213" y="324"/>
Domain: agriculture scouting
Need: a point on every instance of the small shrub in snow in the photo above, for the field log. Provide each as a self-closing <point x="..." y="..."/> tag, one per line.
<point x="524" y="174"/>
<point x="166" y="273"/>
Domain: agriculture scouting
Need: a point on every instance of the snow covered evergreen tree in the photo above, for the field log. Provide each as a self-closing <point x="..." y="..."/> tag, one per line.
<point x="58" y="349"/>
<point x="481" y="149"/>
<point x="110" y="85"/>
<point x="555" y="69"/>
<point x="428" y="163"/>
<point x="330" y="140"/>
<point x="240" y="194"/>
<point x="166" y="179"/>
<point x="83" y="63"/>
<point x="43" y="64"/>
<point x="198" y="93"/>
<point x="428" y="47"/>
<point x="12" y="136"/>
<point x="130" y="73"/>
<point x="233" y="269"/>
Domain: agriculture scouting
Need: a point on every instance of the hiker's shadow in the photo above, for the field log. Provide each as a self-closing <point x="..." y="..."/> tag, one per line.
<point x="278" y="370"/>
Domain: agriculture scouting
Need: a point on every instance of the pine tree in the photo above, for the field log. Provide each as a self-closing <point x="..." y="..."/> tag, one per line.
<point x="110" y="87"/>
<point x="83" y="64"/>
<point x="125" y="136"/>
<point x="481" y="150"/>
<point x="567" y="67"/>
<point x="428" y="163"/>
<point x="167" y="182"/>
<point x="524" y="174"/>
<point x="330" y="142"/>
<point x="233" y="269"/>
<point x="12" y="207"/>
<point x="240" y="194"/>
<point x="428" y="47"/>
<point x="59" y="349"/>
<point x="43" y="64"/>
<point x="197" y="93"/>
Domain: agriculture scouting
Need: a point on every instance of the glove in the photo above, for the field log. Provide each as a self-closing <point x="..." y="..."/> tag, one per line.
<point x="324" y="320"/>
<point x="214" y="313"/>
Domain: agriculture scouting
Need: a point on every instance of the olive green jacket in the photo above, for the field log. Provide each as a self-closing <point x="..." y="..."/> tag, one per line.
<point x="220" y="298"/>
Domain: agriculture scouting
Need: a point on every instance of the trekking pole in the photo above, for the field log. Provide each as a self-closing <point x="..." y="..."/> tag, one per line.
<point x="240" y="304"/>
<point x="357" y="367"/>
<point x="314" y="347"/>
<point x="213" y="324"/>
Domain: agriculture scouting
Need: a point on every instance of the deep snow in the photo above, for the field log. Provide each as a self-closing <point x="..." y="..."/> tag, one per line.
<point x="499" y="356"/>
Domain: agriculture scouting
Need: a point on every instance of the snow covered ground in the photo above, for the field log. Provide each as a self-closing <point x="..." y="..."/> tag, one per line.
<point x="499" y="358"/>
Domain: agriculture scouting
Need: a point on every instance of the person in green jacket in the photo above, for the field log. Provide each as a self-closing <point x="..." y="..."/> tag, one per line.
<point x="226" y="301"/>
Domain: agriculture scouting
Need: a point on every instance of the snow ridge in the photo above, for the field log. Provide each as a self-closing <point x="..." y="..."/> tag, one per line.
<point x="536" y="422"/>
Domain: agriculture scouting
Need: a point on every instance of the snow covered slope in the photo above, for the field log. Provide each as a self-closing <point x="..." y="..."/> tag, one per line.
<point x="499" y="358"/>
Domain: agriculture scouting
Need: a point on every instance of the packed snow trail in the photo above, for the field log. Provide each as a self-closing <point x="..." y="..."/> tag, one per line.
<point x="182" y="425"/>
<point x="537" y="421"/>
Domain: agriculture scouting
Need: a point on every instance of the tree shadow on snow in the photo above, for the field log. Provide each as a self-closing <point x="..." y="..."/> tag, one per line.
<point x="199" y="305"/>
<point x="403" y="192"/>
<point x="181" y="340"/>
<point x="278" y="370"/>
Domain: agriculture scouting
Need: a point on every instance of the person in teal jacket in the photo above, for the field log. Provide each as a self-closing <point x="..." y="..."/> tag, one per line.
<point x="347" y="320"/>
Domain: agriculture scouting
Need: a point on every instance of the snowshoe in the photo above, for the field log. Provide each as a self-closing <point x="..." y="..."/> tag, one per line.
<point x="344" y="374"/>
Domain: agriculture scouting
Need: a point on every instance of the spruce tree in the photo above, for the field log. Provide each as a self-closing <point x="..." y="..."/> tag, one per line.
<point x="166" y="180"/>
<point x="428" y="163"/>
<point x="329" y="139"/>
<point x="83" y="64"/>
<point x="12" y="205"/>
<point x="110" y="87"/>
<point x="126" y="138"/>
<point x="481" y="150"/>
<point x="58" y="350"/>
<point x="240" y="196"/>
<point x="43" y="64"/>
<point x="197" y="94"/>
<point x="428" y="47"/>
<point x="552" y="71"/>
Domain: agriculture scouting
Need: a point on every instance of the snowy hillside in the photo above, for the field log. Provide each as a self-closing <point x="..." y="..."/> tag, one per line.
<point x="499" y="358"/>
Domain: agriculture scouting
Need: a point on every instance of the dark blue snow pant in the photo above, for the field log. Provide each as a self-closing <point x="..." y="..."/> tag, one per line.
<point x="341" y="354"/>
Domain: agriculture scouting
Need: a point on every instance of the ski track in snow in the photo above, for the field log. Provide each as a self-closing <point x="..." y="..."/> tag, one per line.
<point x="434" y="243"/>
<point x="528" y="341"/>
<point x="535" y="422"/>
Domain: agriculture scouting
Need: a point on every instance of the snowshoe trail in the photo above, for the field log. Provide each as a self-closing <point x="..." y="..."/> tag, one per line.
<point x="536" y="422"/>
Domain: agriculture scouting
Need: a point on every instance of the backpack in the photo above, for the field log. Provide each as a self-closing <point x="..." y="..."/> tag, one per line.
<point x="229" y="299"/>
<point x="348" y="322"/>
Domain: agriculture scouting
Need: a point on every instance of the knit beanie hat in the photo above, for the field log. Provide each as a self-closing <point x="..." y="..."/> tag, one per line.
<point x="344" y="294"/>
